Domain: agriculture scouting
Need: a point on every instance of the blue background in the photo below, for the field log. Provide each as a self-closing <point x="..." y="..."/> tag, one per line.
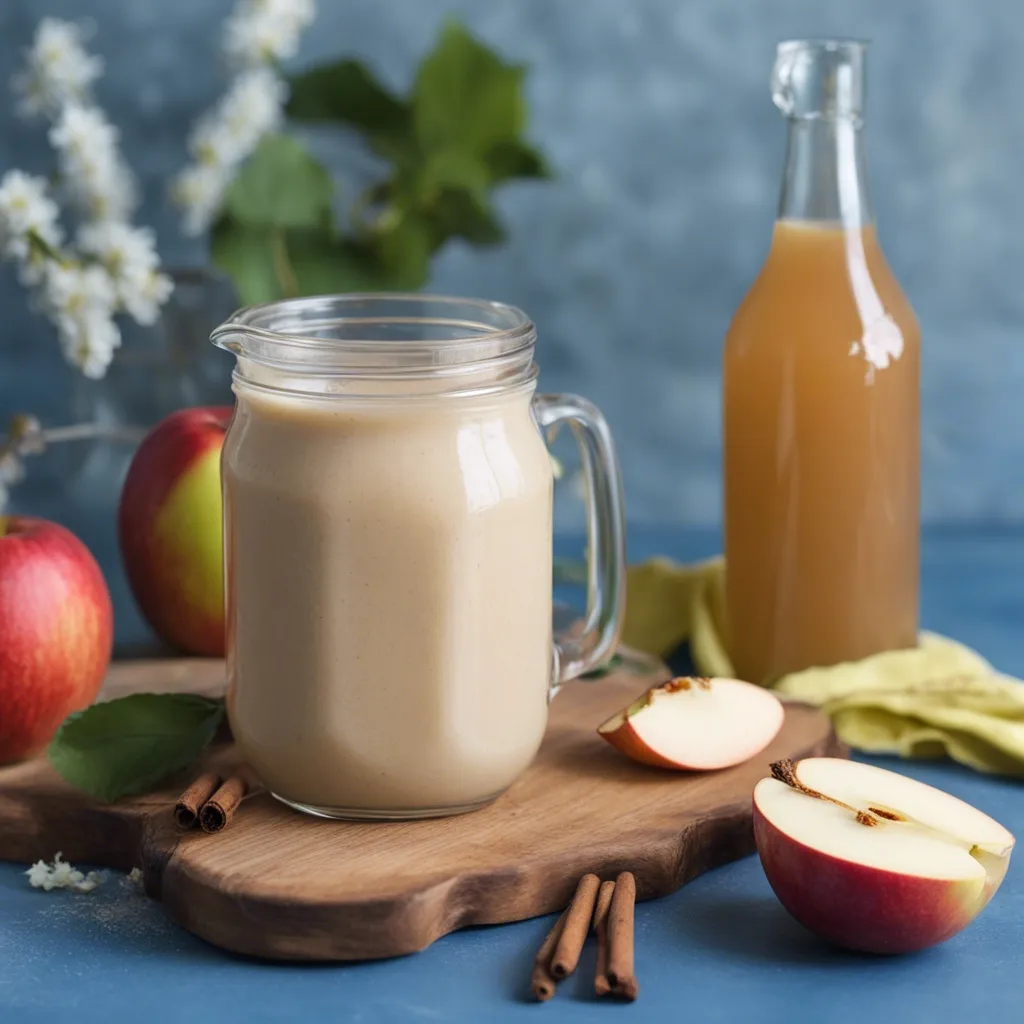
<point x="656" y="115"/>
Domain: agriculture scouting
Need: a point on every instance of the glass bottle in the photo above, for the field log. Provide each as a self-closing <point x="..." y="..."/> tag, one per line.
<point x="821" y="403"/>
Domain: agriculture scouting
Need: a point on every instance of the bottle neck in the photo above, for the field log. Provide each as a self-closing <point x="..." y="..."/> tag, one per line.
<point x="826" y="173"/>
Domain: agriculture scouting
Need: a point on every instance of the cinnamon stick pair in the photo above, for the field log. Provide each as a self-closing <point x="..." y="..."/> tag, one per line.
<point x="560" y="953"/>
<point x="613" y="922"/>
<point x="209" y="802"/>
<point x="607" y="909"/>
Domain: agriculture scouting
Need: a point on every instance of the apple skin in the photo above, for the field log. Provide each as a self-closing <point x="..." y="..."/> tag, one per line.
<point x="621" y="732"/>
<point x="169" y="528"/>
<point x="860" y="907"/>
<point x="56" y="632"/>
<point x="626" y="740"/>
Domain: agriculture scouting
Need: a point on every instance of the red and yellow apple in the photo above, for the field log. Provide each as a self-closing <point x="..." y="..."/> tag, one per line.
<point x="169" y="526"/>
<point x="873" y="860"/>
<point x="56" y="632"/>
<point x="696" y="724"/>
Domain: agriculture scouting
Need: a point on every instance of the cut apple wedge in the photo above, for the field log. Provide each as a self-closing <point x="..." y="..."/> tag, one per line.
<point x="873" y="860"/>
<point x="696" y="724"/>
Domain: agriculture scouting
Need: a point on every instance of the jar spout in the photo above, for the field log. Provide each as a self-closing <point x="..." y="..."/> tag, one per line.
<point x="228" y="336"/>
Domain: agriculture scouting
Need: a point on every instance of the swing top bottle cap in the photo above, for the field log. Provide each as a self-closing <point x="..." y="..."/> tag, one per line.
<point x="820" y="78"/>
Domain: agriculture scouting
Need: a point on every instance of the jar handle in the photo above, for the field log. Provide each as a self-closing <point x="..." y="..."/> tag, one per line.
<point x="578" y="650"/>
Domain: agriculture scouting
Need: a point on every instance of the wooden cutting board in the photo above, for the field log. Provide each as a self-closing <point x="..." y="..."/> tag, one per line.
<point x="281" y="885"/>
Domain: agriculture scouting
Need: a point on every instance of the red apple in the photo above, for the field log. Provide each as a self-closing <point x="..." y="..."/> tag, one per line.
<point x="872" y="860"/>
<point x="696" y="724"/>
<point x="56" y="632"/>
<point x="169" y="525"/>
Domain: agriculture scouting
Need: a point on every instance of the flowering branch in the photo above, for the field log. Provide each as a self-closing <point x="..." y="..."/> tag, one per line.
<point x="113" y="267"/>
<point x="257" y="35"/>
<point x="26" y="436"/>
<point x="58" y="70"/>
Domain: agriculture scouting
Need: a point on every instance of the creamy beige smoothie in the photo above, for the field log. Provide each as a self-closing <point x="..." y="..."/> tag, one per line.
<point x="389" y="596"/>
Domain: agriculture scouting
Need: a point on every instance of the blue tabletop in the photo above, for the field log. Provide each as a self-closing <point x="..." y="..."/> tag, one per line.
<point x="720" y="949"/>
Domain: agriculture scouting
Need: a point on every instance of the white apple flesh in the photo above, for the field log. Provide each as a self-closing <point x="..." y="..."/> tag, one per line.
<point x="873" y="860"/>
<point x="696" y="724"/>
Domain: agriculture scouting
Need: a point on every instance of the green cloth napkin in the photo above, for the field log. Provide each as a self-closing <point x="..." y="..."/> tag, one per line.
<point x="937" y="699"/>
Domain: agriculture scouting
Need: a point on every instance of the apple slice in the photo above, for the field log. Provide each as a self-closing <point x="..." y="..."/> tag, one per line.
<point x="872" y="860"/>
<point x="696" y="724"/>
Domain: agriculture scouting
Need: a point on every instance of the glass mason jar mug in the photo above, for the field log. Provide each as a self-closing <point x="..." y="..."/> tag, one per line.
<point x="388" y="517"/>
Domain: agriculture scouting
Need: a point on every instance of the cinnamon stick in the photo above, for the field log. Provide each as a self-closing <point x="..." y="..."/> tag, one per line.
<point x="219" y="809"/>
<point x="186" y="810"/>
<point x="604" y="898"/>
<point x="620" y="937"/>
<point x="577" y="924"/>
<point x="629" y="989"/>
<point x="542" y="984"/>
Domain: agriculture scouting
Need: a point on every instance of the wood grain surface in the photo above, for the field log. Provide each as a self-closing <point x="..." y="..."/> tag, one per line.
<point x="281" y="885"/>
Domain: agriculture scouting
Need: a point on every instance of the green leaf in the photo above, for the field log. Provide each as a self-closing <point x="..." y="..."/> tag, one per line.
<point x="348" y="91"/>
<point x="513" y="158"/>
<point x="465" y="96"/>
<point x="458" y="212"/>
<point x="246" y="254"/>
<point x="456" y="136"/>
<point x="452" y="168"/>
<point x="280" y="185"/>
<point x="403" y="251"/>
<point x="326" y="266"/>
<point x="129" y="745"/>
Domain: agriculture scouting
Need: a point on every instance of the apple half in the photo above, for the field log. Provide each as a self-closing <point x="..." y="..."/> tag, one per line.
<point x="696" y="724"/>
<point x="872" y="860"/>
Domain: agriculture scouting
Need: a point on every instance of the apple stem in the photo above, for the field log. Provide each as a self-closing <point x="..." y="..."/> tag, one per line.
<point x="672" y="686"/>
<point x="685" y="682"/>
<point x="785" y="771"/>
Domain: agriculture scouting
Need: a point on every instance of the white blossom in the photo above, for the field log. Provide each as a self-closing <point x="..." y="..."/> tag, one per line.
<point x="115" y="267"/>
<point x="223" y="138"/>
<point x="72" y="288"/>
<point x="261" y="31"/>
<point x="244" y="114"/>
<point x="58" y="69"/>
<point x="26" y="209"/>
<point x="81" y="300"/>
<point x="199" y="190"/>
<point x="62" y="875"/>
<point x="92" y="171"/>
<point x="89" y="341"/>
<point x="129" y="256"/>
<point x="257" y="34"/>
<point x="144" y="297"/>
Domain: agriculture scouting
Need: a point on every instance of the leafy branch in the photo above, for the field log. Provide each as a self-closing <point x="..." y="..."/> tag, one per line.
<point x="448" y="144"/>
